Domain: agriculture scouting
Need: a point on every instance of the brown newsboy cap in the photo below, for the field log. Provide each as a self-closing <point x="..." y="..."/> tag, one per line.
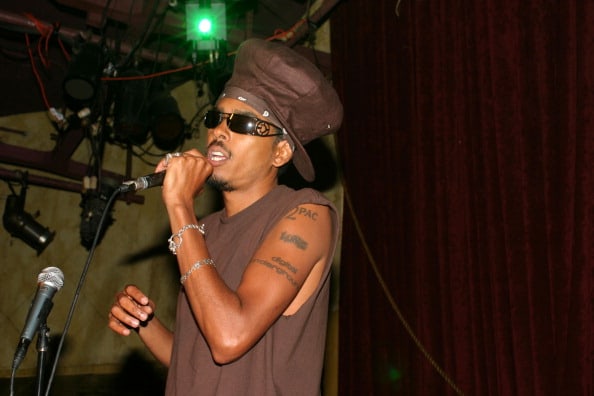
<point x="290" y="91"/>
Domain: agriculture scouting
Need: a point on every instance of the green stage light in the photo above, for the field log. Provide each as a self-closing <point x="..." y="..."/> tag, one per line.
<point x="205" y="26"/>
<point x="206" y="23"/>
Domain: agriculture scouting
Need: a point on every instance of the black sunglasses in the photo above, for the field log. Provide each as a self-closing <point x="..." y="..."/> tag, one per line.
<point x="243" y="124"/>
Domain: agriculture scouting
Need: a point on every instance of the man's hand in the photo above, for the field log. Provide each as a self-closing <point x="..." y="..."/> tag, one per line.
<point x="130" y="310"/>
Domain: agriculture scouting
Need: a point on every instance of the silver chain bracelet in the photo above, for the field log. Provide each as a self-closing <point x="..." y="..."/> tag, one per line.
<point x="175" y="240"/>
<point x="197" y="264"/>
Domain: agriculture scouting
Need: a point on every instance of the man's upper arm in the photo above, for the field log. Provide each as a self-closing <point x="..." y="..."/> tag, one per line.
<point x="296" y="248"/>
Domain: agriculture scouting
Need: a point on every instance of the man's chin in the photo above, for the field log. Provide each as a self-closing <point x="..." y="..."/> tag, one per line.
<point x="218" y="184"/>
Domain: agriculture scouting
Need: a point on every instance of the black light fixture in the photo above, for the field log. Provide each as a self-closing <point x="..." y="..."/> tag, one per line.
<point x="130" y="108"/>
<point x="166" y="124"/>
<point x="94" y="204"/>
<point x="82" y="78"/>
<point x="23" y="225"/>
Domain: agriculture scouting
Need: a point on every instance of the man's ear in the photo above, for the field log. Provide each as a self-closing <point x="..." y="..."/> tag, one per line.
<point x="283" y="154"/>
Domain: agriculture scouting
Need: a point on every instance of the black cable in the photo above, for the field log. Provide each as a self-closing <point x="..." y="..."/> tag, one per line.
<point x="144" y="34"/>
<point x="103" y="23"/>
<point x="10" y="186"/>
<point x="79" y="288"/>
<point x="12" y="375"/>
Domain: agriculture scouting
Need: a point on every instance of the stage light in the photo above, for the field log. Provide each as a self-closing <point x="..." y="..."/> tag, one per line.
<point x="22" y="225"/>
<point x="94" y="204"/>
<point x="166" y="124"/>
<point x="206" y="24"/>
<point x="130" y="108"/>
<point x="82" y="78"/>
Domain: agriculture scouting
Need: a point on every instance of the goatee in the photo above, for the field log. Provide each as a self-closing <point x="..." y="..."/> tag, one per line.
<point x="220" y="185"/>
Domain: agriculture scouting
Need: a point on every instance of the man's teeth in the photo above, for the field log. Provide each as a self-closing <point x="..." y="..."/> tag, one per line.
<point x="217" y="156"/>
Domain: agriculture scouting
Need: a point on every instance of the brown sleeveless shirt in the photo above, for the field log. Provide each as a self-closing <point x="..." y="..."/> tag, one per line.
<point x="288" y="359"/>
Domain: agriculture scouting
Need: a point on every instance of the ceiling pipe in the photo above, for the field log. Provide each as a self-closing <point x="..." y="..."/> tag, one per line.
<point x="318" y="16"/>
<point x="69" y="35"/>
<point x="17" y="176"/>
<point x="57" y="161"/>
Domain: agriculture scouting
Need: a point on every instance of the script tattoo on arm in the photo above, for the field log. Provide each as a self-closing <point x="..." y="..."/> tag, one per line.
<point x="283" y="268"/>
<point x="294" y="239"/>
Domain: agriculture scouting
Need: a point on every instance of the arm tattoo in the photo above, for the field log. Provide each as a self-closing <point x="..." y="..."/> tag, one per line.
<point x="285" y="264"/>
<point x="299" y="211"/>
<point x="294" y="239"/>
<point x="279" y="270"/>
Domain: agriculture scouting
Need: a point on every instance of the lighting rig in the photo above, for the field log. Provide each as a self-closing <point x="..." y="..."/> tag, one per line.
<point x="124" y="100"/>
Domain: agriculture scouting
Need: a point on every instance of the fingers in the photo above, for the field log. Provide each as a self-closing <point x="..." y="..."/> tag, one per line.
<point x="117" y="326"/>
<point x="194" y="153"/>
<point x="137" y="295"/>
<point x="170" y="158"/>
<point x="191" y="162"/>
<point x="130" y="310"/>
<point x="165" y="161"/>
<point x="161" y="166"/>
<point x="187" y="173"/>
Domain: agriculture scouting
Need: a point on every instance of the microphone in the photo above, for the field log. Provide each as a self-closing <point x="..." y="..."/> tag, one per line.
<point x="144" y="182"/>
<point x="49" y="281"/>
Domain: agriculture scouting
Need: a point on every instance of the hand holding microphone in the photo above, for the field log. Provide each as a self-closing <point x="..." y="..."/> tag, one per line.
<point x="148" y="181"/>
<point x="195" y="170"/>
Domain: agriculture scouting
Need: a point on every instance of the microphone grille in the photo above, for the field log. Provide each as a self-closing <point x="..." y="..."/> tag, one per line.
<point x="52" y="276"/>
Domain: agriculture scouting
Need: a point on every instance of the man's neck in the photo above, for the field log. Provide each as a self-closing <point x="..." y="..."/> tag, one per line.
<point x="237" y="200"/>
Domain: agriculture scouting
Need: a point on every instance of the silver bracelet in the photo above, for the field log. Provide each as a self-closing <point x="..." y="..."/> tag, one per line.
<point x="175" y="240"/>
<point x="197" y="264"/>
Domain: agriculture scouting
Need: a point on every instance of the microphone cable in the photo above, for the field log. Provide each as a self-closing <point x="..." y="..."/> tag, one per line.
<point x="12" y="376"/>
<point x="79" y="287"/>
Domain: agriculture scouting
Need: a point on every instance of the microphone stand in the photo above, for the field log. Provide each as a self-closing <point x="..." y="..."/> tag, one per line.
<point x="42" y="349"/>
<point x="81" y="281"/>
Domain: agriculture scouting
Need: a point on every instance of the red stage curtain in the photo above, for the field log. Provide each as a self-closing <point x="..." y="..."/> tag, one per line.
<point x="468" y="158"/>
